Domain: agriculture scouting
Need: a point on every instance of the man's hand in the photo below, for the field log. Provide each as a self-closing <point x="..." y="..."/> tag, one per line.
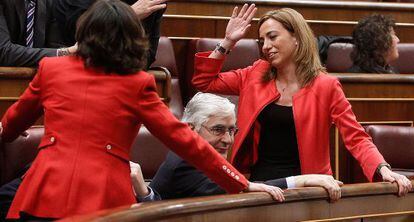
<point x="276" y="192"/>
<point x="144" y="8"/>
<point x="138" y="183"/>
<point x="404" y="184"/>
<point x="326" y="181"/>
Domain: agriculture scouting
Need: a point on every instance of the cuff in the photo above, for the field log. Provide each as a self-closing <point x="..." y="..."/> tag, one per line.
<point x="149" y="197"/>
<point x="290" y="181"/>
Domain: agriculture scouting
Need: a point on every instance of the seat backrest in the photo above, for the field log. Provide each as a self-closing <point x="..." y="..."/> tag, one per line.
<point x="404" y="64"/>
<point x="243" y="55"/>
<point x="165" y="56"/>
<point x="16" y="155"/>
<point x="339" y="60"/>
<point x="148" y="151"/>
<point x="395" y="143"/>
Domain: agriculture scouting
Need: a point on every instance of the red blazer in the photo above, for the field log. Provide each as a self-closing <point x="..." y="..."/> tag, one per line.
<point x="91" y="120"/>
<point x="315" y="108"/>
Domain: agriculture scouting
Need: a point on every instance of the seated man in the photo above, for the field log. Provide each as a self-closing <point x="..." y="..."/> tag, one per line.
<point x="213" y="118"/>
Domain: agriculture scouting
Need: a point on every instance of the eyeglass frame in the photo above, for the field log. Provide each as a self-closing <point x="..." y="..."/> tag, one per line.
<point x="231" y="130"/>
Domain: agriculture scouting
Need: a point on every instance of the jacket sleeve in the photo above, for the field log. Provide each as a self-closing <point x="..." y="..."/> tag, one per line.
<point x="190" y="182"/>
<point x="207" y="76"/>
<point x="281" y="183"/>
<point x="187" y="144"/>
<point x="23" y="113"/>
<point x="356" y="140"/>
<point x="17" y="55"/>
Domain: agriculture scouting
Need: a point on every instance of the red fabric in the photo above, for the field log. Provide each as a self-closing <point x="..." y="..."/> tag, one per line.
<point x="315" y="108"/>
<point x="91" y="120"/>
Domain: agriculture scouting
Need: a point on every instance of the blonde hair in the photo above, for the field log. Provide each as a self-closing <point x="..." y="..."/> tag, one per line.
<point x="308" y="64"/>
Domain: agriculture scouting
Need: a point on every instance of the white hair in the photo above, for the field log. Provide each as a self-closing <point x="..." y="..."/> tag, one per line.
<point x="204" y="106"/>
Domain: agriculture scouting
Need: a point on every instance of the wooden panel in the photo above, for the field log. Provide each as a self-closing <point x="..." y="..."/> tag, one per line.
<point x="13" y="82"/>
<point x="191" y="26"/>
<point x="374" y="201"/>
<point x="316" y="10"/>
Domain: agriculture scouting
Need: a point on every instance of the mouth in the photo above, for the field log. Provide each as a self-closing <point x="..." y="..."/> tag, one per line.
<point x="271" y="55"/>
<point x="222" y="149"/>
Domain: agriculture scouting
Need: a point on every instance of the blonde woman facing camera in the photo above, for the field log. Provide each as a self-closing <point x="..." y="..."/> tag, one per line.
<point x="93" y="105"/>
<point x="287" y="102"/>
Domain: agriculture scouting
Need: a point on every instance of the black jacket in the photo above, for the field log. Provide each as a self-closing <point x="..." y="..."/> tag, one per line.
<point x="177" y="179"/>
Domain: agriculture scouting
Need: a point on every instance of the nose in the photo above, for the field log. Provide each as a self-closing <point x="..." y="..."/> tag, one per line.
<point x="266" y="46"/>
<point x="227" y="138"/>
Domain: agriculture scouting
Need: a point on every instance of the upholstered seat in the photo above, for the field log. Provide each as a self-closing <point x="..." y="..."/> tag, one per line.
<point x="339" y="60"/>
<point x="396" y="144"/>
<point x="146" y="150"/>
<point x="165" y="58"/>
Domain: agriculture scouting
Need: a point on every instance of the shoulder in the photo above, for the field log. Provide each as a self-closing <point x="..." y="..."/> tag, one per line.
<point x="323" y="79"/>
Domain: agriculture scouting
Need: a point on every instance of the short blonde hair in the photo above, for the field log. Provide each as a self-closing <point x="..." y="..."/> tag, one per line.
<point x="308" y="64"/>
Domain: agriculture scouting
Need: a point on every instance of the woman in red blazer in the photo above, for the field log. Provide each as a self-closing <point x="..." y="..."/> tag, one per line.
<point x="287" y="102"/>
<point x="94" y="104"/>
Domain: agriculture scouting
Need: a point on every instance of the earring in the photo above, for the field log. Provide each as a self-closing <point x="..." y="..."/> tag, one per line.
<point x="296" y="43"/>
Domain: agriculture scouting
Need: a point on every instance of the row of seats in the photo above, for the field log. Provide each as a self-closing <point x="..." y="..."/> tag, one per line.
<point x="245" y="53"/>
<point x="150" y="152"/>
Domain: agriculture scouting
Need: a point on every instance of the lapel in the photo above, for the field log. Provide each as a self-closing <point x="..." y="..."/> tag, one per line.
<point x="40" y="24"/>
<point x="21" y="14"/>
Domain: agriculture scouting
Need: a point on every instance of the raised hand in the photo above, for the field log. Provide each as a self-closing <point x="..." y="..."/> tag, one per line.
<point x="276" y="192"/>
<point x="144" y="8"/>
<point x="239" y="23"/>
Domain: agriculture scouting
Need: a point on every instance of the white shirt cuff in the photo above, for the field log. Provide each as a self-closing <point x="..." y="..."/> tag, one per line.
<point x="290" y="181"/>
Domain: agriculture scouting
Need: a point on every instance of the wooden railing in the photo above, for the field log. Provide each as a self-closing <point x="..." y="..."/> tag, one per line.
<point x="372" y="201"/>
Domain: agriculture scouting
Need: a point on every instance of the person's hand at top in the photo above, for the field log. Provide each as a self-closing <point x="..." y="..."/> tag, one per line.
<point x="144" y="8"/>
<point x="404" y="184"/>
<point x="236" y="29"/>
<point x="275" y="192"/>
<point x="239" y="23"/>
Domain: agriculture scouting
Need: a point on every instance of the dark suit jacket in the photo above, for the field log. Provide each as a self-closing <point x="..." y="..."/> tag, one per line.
<point x="13" y="51"/>
<point x="177" y="179"/>
<point x="67" y="13"/>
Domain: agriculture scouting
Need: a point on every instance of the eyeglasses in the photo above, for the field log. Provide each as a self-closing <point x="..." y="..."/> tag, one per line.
<point x="220" y="130"/>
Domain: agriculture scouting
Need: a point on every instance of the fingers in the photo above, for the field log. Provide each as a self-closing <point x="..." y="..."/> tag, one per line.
<point x="156" y="8"/>
<point x="251" y="15"/>
<point x="404" y="185"/>
<point x="249" y="11"/>
<point x="242" y="11"/>
<point x="234" y="15"/>
<point x="276" y="192"/>
<point x="340" y="183"/>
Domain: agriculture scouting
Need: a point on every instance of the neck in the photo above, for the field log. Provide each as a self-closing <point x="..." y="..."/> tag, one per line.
<point x="287" y="74"/>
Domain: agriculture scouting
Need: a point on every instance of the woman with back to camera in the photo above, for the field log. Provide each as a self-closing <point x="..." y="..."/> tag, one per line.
<point x="375" y="45"/>
<point x="93" y="105"/>
<point x="287" y="102"/>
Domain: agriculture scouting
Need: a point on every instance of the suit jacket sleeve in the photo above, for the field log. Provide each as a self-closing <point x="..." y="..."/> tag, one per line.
<point x="152" y="27"/>
<point x="190" y="182"/>
<point x="356" y="140"/>
<point x="184" y="142"/>
<point x="207" y="76"/>
<point x="22" y="114"/>
<point x="17" y="55"/>
<point x="281" y="183"/>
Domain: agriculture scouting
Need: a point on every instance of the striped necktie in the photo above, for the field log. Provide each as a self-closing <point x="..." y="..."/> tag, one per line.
<point x="30" y="22"/>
